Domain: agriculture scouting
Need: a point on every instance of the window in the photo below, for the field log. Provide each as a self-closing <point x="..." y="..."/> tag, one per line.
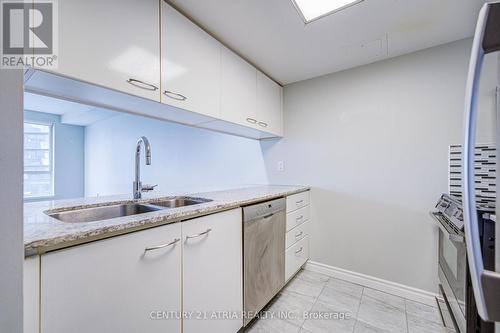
<point x="38" y="161"/>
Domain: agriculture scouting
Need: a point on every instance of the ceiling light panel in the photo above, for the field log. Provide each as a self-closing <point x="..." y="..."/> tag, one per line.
<point x="311" y="10"/>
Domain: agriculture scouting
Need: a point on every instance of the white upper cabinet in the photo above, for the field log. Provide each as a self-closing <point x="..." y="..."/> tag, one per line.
<point x="238" y="90"/>
<point x="190" y="70"/>
<point x="113" y="43"/>
<point x="151" y="50"/>
<point x="269" y="105"/>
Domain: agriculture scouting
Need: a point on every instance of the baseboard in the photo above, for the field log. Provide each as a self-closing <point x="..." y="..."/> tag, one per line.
<point x="389" y="287"/>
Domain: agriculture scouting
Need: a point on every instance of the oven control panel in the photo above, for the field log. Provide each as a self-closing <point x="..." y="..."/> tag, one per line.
<point x="451" y="208"/>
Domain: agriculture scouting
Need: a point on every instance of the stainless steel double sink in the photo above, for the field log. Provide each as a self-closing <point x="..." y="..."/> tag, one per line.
<point x="113" y="211"/>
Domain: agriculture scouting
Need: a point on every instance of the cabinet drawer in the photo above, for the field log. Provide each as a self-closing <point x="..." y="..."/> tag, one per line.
<point x="296" y="256"/>
<point x="297" y="217"/>
<point x="297" y="201"/>
<point x="296" y="234"/>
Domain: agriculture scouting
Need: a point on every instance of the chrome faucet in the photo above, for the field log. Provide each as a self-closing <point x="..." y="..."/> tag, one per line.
<point x="138" y="187"/>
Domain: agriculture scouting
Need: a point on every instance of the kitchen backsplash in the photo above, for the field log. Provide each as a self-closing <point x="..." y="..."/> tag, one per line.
<point x="485" y="171"/>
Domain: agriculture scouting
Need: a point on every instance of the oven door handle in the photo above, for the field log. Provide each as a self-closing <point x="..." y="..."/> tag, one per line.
<point x="452" y="236"/>
<point x="486" y="284"/>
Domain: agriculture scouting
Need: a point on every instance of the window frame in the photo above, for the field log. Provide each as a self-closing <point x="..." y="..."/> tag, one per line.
<point x="51" y="171"/>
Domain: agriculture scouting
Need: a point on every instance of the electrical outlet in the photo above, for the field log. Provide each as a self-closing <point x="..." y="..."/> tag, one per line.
<point x="281" y="166"/>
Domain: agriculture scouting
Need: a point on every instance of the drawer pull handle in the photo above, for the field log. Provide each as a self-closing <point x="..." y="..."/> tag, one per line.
<point x="176" y="96"/>
<point x="251" y="120"/>
<point x="263" y="124"/>
<point x="299" y="218"/>
<point x="142" y="85"/>
<point x="152" y="248"/>
<point x="299" y="202"/>
<point x="299" y="250"/>
<point x="299" y="234"/>
<point x="200" y="234"/>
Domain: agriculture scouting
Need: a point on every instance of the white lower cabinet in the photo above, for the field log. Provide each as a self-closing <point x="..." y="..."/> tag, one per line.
<point x="296" y="256"/>
<point x="212" y="272"/>
<point x="143" y="281"/>
<point x="297" y="232"/>
<point x="114" y="285"/>
<point x="31" y="294"/>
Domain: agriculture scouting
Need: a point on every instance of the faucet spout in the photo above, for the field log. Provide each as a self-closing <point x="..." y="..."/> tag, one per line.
<point x="138" y="187"/>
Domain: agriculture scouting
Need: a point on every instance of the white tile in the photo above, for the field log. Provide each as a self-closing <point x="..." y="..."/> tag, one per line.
<point x="303" y="330"/>
<point x="362" y="327"/>
<point x="291" y="307"/>
<point x="272" y="326"/>
<point x="389" y="299"/>
<point x="312" y="276"/>
<point x="423" y="311"/>
<point x="340" y="301"/>
<point x="328" y="324"/>
<point x="382" y="315"/>
<point x="417" y="324"/>
<point x="305" y="287"/>
<point x="345" y="287"/>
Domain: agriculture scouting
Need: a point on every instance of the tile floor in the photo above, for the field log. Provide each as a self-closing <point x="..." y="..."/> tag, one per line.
<point x="364" y="310"/>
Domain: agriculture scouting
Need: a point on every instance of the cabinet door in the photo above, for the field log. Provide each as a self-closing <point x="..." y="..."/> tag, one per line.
<point x="212" y="271"/>
<point x="114" y="285"/>
<point x="112" y="43"/>
<point x="269" y="105"/>
<point x="190" y="65"/>
<point x="31" y="293"/>
<point x="238" y="90"/>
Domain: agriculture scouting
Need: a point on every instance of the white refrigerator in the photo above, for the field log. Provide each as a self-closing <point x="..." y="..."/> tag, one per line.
<point x="485" y="283"/>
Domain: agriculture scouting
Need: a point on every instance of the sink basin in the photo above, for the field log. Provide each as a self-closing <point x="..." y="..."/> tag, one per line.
<point x="179" y="202"/>
<point x="103" y="213"/>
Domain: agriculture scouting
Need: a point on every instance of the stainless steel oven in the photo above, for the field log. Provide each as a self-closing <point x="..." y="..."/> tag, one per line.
<point x="452" y="270"/>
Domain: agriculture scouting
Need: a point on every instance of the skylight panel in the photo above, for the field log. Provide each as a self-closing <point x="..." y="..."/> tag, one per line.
<point x="311" y="10"/>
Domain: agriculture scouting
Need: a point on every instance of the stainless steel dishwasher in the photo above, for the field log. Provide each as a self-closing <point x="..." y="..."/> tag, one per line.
<point x="264" y="227"/>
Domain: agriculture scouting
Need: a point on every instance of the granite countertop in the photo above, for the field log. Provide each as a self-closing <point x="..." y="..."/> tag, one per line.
<point x="43" y="233"/>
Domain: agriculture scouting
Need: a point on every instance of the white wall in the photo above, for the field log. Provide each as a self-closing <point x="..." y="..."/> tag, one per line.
<point x="373" y="144"/>
<point x="11" y="201"/>
<point x="183" y="158"/>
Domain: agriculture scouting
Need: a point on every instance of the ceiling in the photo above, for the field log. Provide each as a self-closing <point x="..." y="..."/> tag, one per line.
<point x="271" y="35"/>
<point x="71" y="113"/>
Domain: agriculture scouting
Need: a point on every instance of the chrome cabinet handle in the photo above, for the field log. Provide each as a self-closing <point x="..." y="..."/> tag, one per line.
<point x="152" y="248"/>
<point x="299" y="234"/>
<point x="251" y="120"/>
<point x="142" y="85"/>
<point x="299" y="202"/>
<point x="299" y="250"/>
<point x="200" y="234"/>
<point x="299" y="218"/>
<point x="263" y="124"/>
<point x="485" y="283"/>
<point x="176" y="96"/>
